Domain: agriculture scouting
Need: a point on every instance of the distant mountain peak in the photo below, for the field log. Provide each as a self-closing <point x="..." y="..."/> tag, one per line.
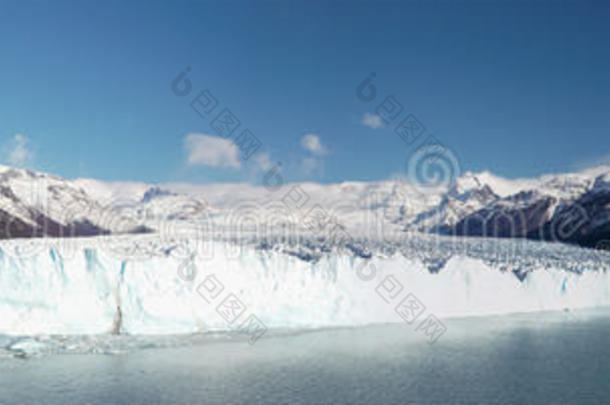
<point x="155" y="192"/>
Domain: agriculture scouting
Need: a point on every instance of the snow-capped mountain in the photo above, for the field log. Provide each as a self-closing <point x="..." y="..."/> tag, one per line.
<point x="34" y="204"/>
<point x="569" y="207"/>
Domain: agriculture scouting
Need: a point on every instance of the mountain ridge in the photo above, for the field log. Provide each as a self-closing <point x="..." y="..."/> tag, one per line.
<point x="569" y="207"/>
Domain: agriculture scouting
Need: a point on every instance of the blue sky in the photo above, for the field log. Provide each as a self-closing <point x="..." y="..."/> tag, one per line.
<point x="518" y="88"/>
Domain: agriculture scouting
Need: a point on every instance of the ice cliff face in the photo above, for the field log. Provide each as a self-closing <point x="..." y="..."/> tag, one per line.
<point x="89" y="287"/>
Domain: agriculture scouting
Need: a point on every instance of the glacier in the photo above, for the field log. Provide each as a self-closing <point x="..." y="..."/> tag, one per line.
<point x="139" y="285"/>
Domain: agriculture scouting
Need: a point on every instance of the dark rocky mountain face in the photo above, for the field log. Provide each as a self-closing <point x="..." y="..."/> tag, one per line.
<point x="12" y="227"/>
<point x="585" y="221"/>
<point x="155" y="192"/>
<point x="505" y="220"/>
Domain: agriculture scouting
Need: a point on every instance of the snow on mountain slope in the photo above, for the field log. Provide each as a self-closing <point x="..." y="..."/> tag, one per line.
<point x="41" y="204"/>
<point x="383" y="206"/>
<point x="108" y="191"/>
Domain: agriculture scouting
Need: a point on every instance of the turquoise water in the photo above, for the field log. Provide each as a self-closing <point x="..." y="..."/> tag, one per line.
<point x="545" y="358"/>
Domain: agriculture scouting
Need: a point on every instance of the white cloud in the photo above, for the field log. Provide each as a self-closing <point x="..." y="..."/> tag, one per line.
<point x="206" y="150"/>
<point x="19" y="153"/>
<point x="312" y="143"/>
<point x="263" y="160"/>
<point x="372" y="121"/>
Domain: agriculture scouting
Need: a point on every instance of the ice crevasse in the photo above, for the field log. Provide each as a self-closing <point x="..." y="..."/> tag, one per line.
<point x="88" y="290"/>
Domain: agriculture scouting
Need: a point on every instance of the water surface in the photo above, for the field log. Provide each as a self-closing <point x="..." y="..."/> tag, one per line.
<point x="544" y="358"/>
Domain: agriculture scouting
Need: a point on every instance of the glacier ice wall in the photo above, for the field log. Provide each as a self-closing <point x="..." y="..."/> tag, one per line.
<point x="85" y="289"/>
